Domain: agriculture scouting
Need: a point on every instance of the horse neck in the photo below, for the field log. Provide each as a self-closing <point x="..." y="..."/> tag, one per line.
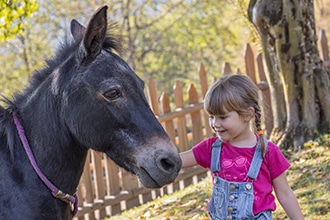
<point x="57" y="154"/>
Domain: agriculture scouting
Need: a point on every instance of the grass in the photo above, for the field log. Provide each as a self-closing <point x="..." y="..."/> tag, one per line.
<point x="309" y="177"/>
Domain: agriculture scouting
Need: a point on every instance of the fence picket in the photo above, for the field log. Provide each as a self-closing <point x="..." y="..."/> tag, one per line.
<point x="324" y="46"/>
<point x="226" y="69"/>
<point x="130" y="183"/>
<point x="166" y="108"/>
<point x="181" y="120"/>
<point x="250" y="63"/>
<point x="204" y="88"/>
<point x="87" y="191"/>
<point x="99" y="190"/>
<point x="113" y="184"/>
<point x="153" y="96"/>
<point x="196" y="129"/>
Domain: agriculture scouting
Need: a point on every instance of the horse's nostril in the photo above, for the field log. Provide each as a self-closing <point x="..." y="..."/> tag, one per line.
<point x="167" y="164"/>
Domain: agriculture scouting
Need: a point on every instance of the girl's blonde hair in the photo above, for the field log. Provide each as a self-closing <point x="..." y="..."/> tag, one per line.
<point x="235" y="93"/>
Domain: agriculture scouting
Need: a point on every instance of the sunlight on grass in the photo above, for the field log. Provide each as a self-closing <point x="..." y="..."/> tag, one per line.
<point x="309" y="177"/>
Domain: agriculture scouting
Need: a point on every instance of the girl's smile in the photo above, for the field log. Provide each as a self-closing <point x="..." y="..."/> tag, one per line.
<point x="220" y="131"/>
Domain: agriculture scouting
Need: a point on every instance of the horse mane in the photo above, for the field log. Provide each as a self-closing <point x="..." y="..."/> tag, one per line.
<point x="66" y="48"/>
<point x="113" y="42"/>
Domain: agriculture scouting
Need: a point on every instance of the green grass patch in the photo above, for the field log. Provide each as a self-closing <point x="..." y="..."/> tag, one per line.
<point x="309" y="177"/>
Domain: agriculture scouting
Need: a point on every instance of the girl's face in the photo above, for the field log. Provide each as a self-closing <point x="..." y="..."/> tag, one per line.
<point x="231" y="126"/>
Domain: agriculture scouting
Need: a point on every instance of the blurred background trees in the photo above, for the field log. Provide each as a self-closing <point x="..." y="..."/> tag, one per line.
<point x="164" y="40"/>
<point x="13" y="14"/>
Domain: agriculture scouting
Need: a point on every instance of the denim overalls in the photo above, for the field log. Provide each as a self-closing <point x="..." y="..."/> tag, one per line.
<point x="234" y="200"/>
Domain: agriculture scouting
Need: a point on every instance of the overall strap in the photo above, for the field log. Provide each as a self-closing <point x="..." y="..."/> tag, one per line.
<point x="256" y="161"/>
<point x="215" y="156"/>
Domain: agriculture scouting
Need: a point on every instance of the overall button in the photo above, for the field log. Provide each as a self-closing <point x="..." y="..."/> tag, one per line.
<point x="215" y="181"/>
<point x="232" y="187"/>
<point x="229" y="217"/>
<point x="230" y="209"/>
<point x="248" y="186"/>
<point x="231" y="198"/>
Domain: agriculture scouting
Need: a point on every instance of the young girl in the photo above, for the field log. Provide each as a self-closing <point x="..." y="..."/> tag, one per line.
<point x="245" y="166"/>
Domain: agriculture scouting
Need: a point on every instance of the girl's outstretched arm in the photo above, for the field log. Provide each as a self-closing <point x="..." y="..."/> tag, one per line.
<point x="188" y="159"/>
<point x="286" y="197"/>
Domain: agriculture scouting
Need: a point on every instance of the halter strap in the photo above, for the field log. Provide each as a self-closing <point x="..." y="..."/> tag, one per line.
<point x="70" y="199"/>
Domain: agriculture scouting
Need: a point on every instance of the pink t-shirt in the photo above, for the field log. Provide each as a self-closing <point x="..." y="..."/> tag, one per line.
<point x="235" y="163"/>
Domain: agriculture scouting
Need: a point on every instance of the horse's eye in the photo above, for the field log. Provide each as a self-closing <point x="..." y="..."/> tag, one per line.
<point x="112" y="94"/>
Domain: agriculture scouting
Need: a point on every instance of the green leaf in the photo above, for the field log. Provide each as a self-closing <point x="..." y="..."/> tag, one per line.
<point x="12" y="15"/>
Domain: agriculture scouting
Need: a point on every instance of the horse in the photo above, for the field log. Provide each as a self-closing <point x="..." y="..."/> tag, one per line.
<point x="85" y="97"/>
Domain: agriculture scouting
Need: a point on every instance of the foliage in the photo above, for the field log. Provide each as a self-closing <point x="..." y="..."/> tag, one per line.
<point x="195" y="31"/>
<point x="308" y="176"/>
<point x="27" y="52"/>
<point x="165" y="40"/>
<point x="12" y="17"/>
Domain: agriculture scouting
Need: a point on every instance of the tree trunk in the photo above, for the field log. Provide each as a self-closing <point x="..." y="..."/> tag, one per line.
<point x="299" y="81"/>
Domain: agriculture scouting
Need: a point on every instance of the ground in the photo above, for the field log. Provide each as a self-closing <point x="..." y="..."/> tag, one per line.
<point x="309" y="177"/>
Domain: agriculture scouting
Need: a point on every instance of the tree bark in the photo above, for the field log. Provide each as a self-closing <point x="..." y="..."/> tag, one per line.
<point x="299" y="81"/>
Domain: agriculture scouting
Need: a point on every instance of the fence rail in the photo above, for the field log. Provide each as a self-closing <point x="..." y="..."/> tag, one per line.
<point x="106" y="189"/>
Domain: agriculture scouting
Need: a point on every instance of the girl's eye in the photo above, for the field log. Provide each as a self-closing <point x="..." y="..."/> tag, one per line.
<point x="211" y="117"/>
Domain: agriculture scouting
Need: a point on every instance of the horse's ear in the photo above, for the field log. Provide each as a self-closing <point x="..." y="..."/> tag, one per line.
<point x="94" y="34"/>
<point x="77" y="30"/>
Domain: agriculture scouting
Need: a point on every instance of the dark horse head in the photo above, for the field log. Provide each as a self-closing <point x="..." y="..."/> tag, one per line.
<point x="86" y="97"/>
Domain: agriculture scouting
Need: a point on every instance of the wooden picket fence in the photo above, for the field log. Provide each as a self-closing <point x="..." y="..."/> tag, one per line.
<point x="106" y="189"/>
